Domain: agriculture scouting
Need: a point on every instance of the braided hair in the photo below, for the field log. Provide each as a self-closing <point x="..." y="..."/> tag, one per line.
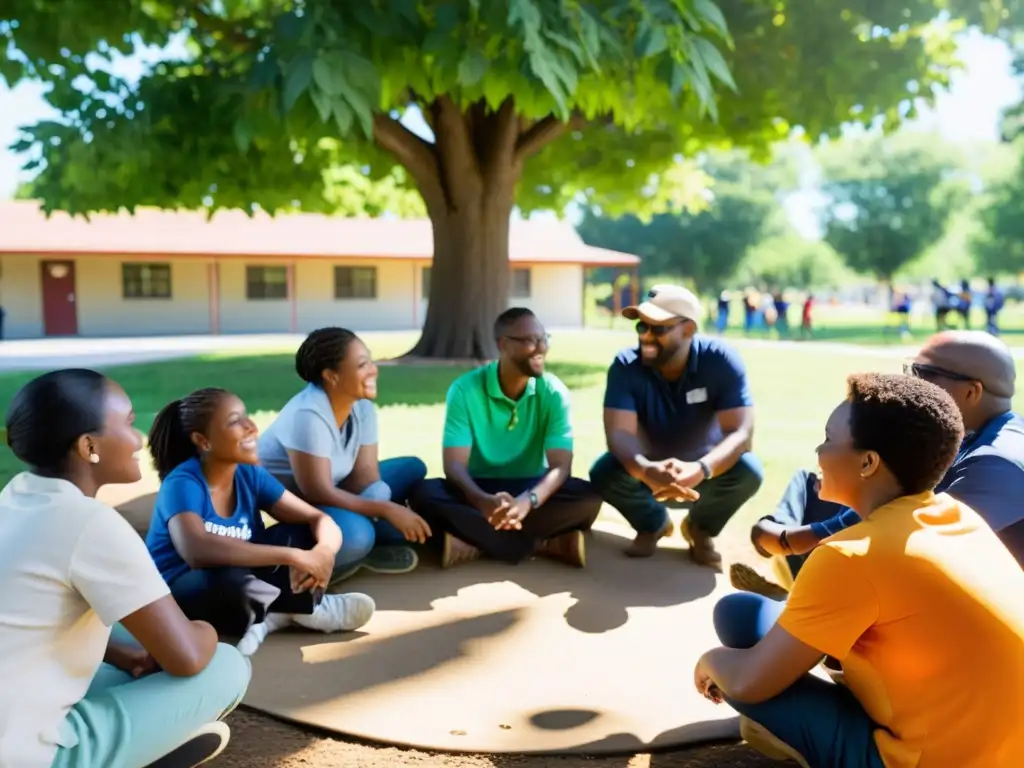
<point x="322" y="350"/>
<point x="170" y="437"/>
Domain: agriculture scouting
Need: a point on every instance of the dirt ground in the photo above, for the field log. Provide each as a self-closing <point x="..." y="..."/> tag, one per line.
<point x="258" y="741"/>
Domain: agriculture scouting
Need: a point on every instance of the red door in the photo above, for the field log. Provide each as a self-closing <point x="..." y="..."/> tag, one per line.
<point x="60" y="307"/>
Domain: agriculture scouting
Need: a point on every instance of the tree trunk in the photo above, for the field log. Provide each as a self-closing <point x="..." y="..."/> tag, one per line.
<point x="467" y="177"/>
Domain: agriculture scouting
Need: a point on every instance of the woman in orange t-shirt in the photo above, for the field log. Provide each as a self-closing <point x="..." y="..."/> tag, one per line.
<point x="919" y="602"/>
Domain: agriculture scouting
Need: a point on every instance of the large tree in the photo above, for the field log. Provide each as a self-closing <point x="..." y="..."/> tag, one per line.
<point x="889" y="199"/>
<point x="534" y="102"/>
<point x="998" y="245"/>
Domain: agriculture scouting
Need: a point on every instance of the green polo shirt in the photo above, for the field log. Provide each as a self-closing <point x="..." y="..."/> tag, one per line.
<point x="507" y="438"/>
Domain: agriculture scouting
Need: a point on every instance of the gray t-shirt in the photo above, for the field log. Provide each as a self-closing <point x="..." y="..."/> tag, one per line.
<point x="306" y="424"/>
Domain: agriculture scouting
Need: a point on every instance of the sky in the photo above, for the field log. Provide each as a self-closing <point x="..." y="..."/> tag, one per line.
<point x="968" y="112"/>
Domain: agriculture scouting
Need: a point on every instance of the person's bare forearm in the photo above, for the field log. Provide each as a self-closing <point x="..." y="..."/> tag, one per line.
<point x="327" y="533"/>
<point x="627" y="449"/>
<point x="551" y="482"/>
<point x="800" y="540"/>
<point x="724" y="456"/>
<point x="342" y="499"/>
<point x="222" y="551"/>
<point x="458" y="473"/>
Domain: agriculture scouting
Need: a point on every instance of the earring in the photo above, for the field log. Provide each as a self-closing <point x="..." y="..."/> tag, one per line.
<point x="93" y="458"/>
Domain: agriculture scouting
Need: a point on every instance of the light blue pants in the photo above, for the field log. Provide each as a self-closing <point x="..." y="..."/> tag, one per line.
<point x="127" y="723"/>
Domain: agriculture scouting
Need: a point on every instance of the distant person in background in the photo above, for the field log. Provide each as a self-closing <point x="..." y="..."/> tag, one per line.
<point x="964" y="301"/>
<point x="768" y="314"/>
<point x="942" y="300"/>
<point x="994" y="301"/>
<point x="806" y="324"/>
<point x="749" y="310"/>
<point x="781" y="313"/>
<point x="723" y="311"/>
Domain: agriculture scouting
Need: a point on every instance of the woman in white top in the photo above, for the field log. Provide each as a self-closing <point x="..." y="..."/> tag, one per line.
<point x="72" y="695"/>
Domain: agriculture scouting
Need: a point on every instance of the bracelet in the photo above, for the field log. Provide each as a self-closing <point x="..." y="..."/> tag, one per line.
<point x="784" y="542"/>
<point x="704" y="466"/>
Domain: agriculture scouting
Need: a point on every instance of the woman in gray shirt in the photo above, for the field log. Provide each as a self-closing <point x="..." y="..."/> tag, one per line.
<point x="323" y="447"/>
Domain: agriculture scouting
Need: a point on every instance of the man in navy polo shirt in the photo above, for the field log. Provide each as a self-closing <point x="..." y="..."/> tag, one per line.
<point x="979" y="372"/>
<point x="678" y="419"/>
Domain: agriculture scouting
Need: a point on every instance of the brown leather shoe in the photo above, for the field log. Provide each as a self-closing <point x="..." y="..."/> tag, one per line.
<point x="568" y="548"/>
<point x="457" y="551"/>
<point x="702" y="546"/>
<point x="746" y="579"/>
<point x="646" y="544"/>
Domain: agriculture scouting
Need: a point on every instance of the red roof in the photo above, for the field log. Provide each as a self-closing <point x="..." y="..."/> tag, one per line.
<point x="24" y="229"/>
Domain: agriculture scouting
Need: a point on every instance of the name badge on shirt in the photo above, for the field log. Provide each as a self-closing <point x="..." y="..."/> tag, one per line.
<point x="697" y="396"/>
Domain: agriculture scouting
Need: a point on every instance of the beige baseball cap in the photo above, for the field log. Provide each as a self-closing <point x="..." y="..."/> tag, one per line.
<point x="664" y="303"/>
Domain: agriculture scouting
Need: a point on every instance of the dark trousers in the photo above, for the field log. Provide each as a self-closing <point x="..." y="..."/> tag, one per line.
<point x="232" y="599"/>
<point x="574" y="506"/>
<point x="821" y="720"/>
<point x="720" y="497"/>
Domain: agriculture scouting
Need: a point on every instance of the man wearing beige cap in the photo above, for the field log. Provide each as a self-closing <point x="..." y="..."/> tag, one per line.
<point x="678" y="419"/>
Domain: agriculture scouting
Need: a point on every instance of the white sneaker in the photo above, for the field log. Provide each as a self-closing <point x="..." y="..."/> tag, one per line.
<point x="339" y="613"/>
<point x="257" y="633"/>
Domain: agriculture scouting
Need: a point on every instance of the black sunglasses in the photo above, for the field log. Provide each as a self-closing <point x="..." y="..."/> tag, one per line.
<point x="657" y="330"/>
<point x="924" y="371"/>
<point x="533" y="341"/>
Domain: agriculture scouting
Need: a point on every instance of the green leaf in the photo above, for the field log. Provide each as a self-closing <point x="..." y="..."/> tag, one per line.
<point x="298" y="75"/>
<point x="712" y="14"/>
<point x="472" y="68"/>
<point x="323" y="103"/>
<point x="651" y="41"/>
<point x="329" y="73"/>
<point x="243" y="134"/>
<point x="406" y="9"/>
<point x="713" y="61"/>
<point x="360" y="72"/>
<point x="343" y="116"/>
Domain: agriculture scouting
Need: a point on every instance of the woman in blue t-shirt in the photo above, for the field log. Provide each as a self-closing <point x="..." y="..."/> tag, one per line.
<point x="207" y="535"/>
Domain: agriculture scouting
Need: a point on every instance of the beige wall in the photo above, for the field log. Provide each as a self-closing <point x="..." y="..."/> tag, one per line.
<point x="556" y="296"/>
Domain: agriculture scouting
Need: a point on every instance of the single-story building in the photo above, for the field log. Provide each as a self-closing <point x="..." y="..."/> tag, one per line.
<point x="174" y="272"/>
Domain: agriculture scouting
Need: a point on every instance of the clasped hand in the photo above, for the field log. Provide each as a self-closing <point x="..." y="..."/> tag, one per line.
<point x="505" y="512"/>
<point x="674" y="480"/>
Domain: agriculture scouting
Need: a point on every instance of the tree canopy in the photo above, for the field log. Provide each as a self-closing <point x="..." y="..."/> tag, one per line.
<point x="530" y="102"/>
<point x="888" y="200"/>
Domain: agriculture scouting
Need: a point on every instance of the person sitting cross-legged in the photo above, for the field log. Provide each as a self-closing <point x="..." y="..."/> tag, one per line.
<point x="508" y="491"/>
<point x="323" y="446"/>
<point x="99" y="666"/>
<point x="919" y="601"/>
<point x="979" y="372"/>
<point x="208" y="538"/>
<point x="679" y="420"/>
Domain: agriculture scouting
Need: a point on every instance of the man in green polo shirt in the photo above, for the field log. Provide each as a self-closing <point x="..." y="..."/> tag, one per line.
<point x="508" y="492"/>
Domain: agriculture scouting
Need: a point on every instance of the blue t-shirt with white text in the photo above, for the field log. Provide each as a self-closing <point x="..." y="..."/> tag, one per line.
<point x="185" y="490"/>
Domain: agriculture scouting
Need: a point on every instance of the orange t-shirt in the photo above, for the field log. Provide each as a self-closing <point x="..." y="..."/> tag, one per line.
<point x="924" y="606"/>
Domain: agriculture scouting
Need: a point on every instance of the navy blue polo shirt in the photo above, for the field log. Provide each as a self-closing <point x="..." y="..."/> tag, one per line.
<point x="987" y="476"/>
<point x="677" y="419"/>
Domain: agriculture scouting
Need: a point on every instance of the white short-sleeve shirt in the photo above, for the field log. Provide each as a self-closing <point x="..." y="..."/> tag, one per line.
<point x="307" y="424"/>
<point x="70" y="568"/>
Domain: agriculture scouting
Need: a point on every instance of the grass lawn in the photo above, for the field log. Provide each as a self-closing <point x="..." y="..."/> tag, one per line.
<point x="795" y="387"/>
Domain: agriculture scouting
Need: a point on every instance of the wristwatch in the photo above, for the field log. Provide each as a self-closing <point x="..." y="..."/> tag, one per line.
<point x="534" y="501"/>
<point x="704" y="466"/>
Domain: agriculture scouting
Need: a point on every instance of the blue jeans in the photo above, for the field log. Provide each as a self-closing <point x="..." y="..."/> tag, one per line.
<point x="821" y="720"/>
<point x="359" y="534"/>
<point x="720" y="497"/>
<point x="128" y="722"/>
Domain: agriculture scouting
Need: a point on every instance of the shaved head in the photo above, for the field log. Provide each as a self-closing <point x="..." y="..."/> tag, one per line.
<point x="975" y="354"/>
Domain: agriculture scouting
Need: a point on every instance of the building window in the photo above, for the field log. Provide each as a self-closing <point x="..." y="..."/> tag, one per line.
<point x="425" y="284"/>
<point x="146" y="281"/>
<point x="266" y="283"/>
<point x="520" y="288"/>
<point x="355" y="282"/>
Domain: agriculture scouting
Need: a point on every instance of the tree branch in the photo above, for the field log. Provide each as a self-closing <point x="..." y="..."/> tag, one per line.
<point x="416" y="155"/>
<point x="506" y="132"/>
<point x="543" y="132"/>
<point x="456" y="153"/>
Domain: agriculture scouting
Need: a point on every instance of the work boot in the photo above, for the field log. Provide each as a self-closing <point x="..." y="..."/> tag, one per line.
<point x="646" y="544"/>
<point x="566" y="548"/>
<point x="457" y="551"/>
<point x="746" y="579"/>
<point x="702" y="546"/>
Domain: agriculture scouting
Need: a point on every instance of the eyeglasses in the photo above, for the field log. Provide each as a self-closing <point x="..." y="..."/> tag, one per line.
<point x="924" y="371"/>
<point x="657" y="330"/>
<point x="533" y="341"/>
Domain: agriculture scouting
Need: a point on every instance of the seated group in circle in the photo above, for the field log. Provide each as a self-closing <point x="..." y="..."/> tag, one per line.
<point x="109" y="646"/>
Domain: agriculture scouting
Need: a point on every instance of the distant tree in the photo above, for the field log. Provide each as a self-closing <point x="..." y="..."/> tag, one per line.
<point x="534" y="102"/>
<point x="889" y="199"/>
<point x="789" y="260"/>
<point x="998" y="244"/>
<point x="705" y="244"/>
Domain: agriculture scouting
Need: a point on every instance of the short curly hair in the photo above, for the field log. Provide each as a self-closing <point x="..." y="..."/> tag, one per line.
<point x="913" y="425"/>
